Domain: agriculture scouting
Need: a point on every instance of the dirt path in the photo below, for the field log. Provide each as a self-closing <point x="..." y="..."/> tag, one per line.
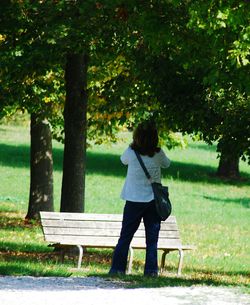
<point x="93" y="290"/>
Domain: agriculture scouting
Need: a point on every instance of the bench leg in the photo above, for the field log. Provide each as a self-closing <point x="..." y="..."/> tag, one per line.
<point x="80" y="248"/>
<point x="130" y="260"/>
<point x="62" y="254"/>
<point x="181" y="255"/>
<point x="163" y="258"/>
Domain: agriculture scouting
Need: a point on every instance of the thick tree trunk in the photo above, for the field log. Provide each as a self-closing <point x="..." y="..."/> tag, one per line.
<point x="41" y="168"/>
<point x="73" y="182"/>
<point x="228" y="165"/>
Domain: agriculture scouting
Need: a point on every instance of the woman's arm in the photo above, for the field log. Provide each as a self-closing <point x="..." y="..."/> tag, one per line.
<point x="163" y="159"/>
<point x="125" y="156"/>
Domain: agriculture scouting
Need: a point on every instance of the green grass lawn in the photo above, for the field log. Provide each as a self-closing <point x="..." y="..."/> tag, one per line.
<point x="212" y="214"/>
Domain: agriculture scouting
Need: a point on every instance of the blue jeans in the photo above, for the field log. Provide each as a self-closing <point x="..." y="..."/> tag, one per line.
<point x="132" y="215"/>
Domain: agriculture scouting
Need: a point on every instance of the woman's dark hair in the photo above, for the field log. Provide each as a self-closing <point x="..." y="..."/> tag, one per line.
<point x="145" y="139"/>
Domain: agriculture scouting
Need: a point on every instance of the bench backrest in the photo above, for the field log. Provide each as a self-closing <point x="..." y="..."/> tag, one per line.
<point x="100" y="230"/>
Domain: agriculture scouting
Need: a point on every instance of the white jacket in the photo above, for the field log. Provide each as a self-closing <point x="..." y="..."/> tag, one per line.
<point x="137" y="186"/>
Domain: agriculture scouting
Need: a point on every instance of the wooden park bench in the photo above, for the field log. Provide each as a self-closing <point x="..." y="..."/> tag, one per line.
<point x="102" y="231"/>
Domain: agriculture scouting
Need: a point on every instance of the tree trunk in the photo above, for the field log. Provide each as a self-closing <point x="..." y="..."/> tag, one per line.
<point x="228" y="165"/>
<point x="73" y="182"/>
<point x="41" y="168"/>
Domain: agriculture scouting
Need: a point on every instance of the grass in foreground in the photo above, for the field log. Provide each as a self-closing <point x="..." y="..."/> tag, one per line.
<point x="212" y="214"/>
<point x="23" y="252"/>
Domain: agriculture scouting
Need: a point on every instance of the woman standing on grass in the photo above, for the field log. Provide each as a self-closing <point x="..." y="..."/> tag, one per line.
<point x="137" y="192"/>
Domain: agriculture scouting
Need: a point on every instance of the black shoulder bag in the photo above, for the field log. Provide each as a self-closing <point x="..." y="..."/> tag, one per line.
<point x="161" y="196"/>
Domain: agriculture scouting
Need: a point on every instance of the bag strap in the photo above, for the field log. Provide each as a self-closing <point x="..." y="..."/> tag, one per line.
<point x="143" y="165"/>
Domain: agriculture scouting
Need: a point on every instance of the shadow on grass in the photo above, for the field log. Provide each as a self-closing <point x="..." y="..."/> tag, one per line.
<point x="14" y="156"/>
<point x="196" y="277"/>
<point x="17" y="259"/>
<point x="19" y="156"/>
<point x="34" y="261"/>
<point x="12" y="248"/>
<point x="109" y="165"/>
<point x="10" y="220"/>
<point x="29" y="260"/>
<point x="245" y="202"/>
<point x="189" y="277"/>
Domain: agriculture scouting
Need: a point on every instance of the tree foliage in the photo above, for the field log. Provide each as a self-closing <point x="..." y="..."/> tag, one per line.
<point x="194" y="57"/>
<point x="48" y="32"/>
<point x="183" y="63"/>
<point x="226" y="28"/>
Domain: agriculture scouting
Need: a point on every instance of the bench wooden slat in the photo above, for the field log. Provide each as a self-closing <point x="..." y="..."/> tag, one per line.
<point x="80" y="224"/>
<point x="106" y="241"/>
<point x="89" y="216"/>
<point x="101" y="232"/>
<point x="99" y="224"/>
<point x="80" y="216"/>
